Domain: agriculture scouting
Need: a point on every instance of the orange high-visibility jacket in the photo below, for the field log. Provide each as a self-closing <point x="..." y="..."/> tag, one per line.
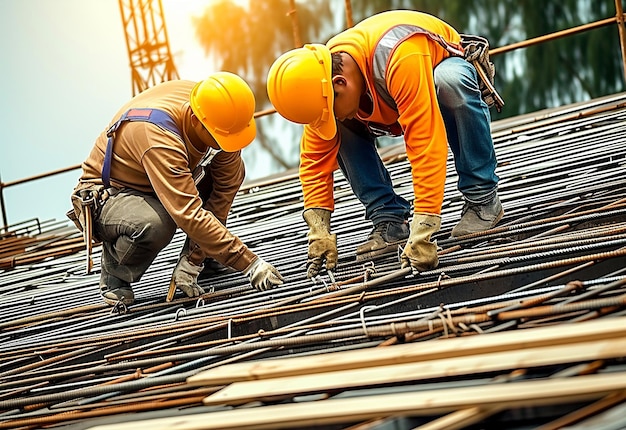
<point x="409" y="80"/>
<point x="151" y="159"/>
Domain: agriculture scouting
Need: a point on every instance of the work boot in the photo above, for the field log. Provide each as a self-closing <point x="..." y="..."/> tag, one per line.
<point x="113" y="290"/>
<point x="383" y="240"/>
<point x="477" y="217"/>
<point x="212" y="267"/>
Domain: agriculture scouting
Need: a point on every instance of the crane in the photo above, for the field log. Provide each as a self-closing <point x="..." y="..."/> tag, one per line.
<point x="151" y="60"/>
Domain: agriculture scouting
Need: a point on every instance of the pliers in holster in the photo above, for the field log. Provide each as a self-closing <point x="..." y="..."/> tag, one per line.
<point x="88" y="202"/>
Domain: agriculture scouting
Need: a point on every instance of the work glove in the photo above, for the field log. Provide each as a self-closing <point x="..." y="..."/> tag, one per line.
<point x="322" y="244"/>
<point x="420" y="252"/>
<point x="263" y="276"/>
<point x="185" y="277"/>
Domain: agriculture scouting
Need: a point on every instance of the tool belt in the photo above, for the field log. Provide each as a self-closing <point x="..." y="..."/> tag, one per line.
<point x="476" y="51"/>
<point x="86" y="197"/>
<point x="87" y="201"/>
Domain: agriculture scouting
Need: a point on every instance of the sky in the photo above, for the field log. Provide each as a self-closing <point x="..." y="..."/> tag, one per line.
<point x="66" y="73"/>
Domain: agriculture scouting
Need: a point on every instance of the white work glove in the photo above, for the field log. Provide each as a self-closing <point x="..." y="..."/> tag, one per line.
<point x="263" y="276"/>
<point x="185" y="277"/>
<point x="420" y="252"/>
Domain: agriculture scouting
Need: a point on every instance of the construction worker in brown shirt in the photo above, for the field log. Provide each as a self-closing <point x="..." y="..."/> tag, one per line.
<point x="174" y="161"/>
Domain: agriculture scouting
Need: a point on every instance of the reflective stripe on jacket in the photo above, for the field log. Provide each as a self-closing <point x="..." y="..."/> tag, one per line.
<point x="409" y="81"/>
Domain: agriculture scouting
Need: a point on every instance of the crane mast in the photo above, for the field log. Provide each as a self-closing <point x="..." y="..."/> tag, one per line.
<point x="147" y="43"/>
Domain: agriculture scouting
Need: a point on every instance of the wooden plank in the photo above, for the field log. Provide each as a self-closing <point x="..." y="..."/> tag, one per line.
<point x="424" y="403"/>
<point x="607" y="328"/>
<point x="460" y="418"/>
<point x="586" y="413"/>
<point x="242" y="392"/>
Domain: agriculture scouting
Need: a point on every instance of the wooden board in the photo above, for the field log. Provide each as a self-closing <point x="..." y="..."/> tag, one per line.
<point x="424" y="403"/>
<point x="609" y="328"/>
<point x="290" y="386"/>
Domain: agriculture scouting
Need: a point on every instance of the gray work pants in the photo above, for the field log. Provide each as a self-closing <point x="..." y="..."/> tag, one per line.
<point x="133" y="227"/>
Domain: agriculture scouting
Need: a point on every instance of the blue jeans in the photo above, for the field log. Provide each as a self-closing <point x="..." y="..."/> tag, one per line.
<point x="369" y="178"/>
<point x="466" y="117"/>
<point x="467" y="121"/>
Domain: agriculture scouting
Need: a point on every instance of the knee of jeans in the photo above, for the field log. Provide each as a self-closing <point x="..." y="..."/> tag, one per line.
<point x="449" y="96"/>
<point x="455" y="85"/>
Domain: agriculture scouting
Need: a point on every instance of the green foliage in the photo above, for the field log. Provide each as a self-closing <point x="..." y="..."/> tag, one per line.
<point x="247" y="40"/>
<point x="557" y="72"/>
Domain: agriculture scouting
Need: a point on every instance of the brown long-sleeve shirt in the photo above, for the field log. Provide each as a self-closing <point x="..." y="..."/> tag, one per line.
<point x="150" y="159"/>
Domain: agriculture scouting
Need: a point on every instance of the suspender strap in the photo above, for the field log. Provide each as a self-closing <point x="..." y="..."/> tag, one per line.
<point x="154" y="116"/>
<point x="474" y="49"/>
<point x="387" y="44"/>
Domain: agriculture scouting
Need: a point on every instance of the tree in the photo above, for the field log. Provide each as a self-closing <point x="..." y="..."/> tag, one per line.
<point x="246" y="41"/>
<point x="562" y="71"/>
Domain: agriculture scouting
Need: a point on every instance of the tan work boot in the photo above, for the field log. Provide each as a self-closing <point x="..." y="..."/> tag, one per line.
<point x="114" y="290"/>
<point x="477" y="217"/>
<point x="383" y="240"/>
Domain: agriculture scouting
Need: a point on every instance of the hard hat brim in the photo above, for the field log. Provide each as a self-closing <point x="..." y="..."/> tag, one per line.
<point x="326" y="126"/>
<point x="231" y="95"/>
<point x="233" y="142"/>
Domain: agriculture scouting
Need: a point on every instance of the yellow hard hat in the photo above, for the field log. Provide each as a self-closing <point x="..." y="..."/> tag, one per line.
<point x="299" y="85"/>
<point x="224" y="104"/>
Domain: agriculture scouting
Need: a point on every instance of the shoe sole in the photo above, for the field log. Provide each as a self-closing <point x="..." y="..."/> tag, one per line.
<point x="390" y="249"/>
<point x="114" y="302"/>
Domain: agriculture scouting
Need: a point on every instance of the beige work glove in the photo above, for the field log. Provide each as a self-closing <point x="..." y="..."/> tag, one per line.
<point x="420" y="252"/>
<point x="263" y="276"/>
<point x="322" y="244"/>
<point x="185" y="277"/>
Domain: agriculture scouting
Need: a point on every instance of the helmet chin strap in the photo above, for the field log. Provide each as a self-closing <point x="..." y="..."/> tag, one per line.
<point x="366" y="103"/>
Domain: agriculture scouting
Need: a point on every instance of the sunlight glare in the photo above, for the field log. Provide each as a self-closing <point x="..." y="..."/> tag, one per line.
<point x="189" y="57"/>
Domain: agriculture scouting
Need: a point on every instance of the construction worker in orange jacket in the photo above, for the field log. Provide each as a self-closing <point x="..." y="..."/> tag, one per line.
<point x="171" y="158"/>
<point x="392" y="72"/>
